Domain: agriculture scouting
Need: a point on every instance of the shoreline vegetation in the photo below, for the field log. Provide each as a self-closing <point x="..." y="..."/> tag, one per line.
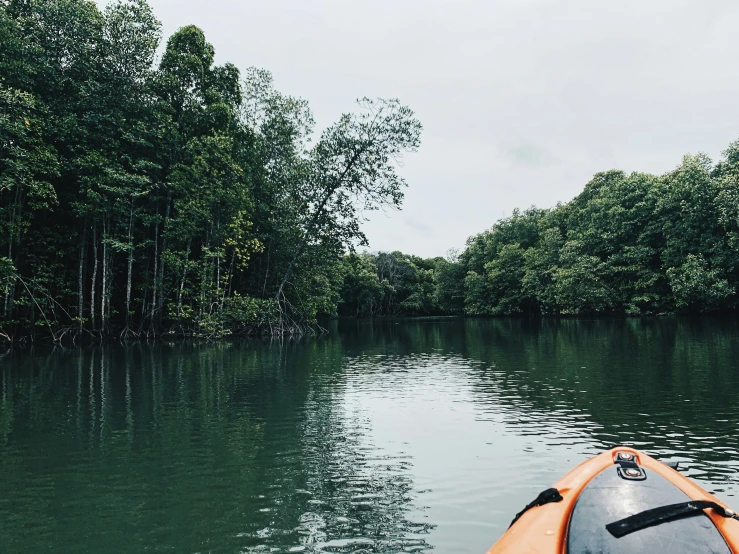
<point x="144" y="196"/>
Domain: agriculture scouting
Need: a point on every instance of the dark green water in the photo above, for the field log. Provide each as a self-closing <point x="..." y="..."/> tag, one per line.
<point x="386" y="437"/>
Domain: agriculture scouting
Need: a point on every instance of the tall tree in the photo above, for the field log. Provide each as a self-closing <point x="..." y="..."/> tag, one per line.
<point x="352" y="169"/>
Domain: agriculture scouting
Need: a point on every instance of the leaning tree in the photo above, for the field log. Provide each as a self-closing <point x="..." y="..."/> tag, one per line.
<point x="351" y="170"/>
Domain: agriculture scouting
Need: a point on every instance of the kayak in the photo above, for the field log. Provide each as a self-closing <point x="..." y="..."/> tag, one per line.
<point x="622" y="501"/>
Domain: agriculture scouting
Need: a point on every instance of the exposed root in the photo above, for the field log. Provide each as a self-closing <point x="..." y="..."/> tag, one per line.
<point x="128" y="333"/>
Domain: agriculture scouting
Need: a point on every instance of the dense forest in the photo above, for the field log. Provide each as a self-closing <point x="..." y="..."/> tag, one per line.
<point x="148" y="191"/>
<point x="145" y="192"/>
<point x="635" y="244"/>
<point x="628" y="244"/>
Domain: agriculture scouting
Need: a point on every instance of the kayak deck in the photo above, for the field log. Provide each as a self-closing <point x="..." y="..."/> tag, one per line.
<point x="609" y="497"/>
<point x="614" y="485"/>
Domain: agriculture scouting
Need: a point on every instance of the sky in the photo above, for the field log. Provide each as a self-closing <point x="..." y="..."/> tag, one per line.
<point x="522" y="101"/>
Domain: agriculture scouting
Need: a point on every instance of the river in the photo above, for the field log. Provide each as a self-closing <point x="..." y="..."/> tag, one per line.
<point x="390" y="436"/>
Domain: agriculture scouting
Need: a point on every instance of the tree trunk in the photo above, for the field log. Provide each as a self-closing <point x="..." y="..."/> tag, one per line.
<point x="94" y="275"/>
<point x="218" y="272"/>
<point x="161" y="298"/>
<point x="182" y="282"/>
<point x="204" y="280"/>
<point x="331" y="190"/>
<point x="130" y="266"/>
<point x="104" y="279"/>
<point x="156" y="274"/>
<point x="142" y="321"/>
<point x="227" y="292"/>
<point x="266" y="273"/>
<point x="9" y="284"/>
<point x="218" y="263"/>
<point x="80" y="276"/>
<point x="303" y="243"/>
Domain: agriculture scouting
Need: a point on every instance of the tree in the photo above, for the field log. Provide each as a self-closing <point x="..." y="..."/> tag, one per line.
<point x="504" y="274"/>
<point x="579" y="283"/>
<point x="26" y="166"/>
<point x="541" y="262"/>
<point x="353" y="169"/>
<point x="449" y="284"/>
<point x="177" y="198"/>
<point x="697" y="287"/>
<point x="361" y="291"/>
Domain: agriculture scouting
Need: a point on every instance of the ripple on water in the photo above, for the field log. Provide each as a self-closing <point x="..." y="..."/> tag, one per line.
<point x="400" y="438"/>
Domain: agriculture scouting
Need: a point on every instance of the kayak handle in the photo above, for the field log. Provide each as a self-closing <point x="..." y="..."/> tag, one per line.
<point x="655" y="516"/>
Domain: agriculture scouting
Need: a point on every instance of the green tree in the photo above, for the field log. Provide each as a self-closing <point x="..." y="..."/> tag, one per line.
<point x="449" y="284"/>
<point x="580" y="282"/>
<point x="361" y="291"/>
<point x="26" y="166"/>
<point x="697" y="287"/>
<point x="504" y="275"/>
<point x="352" y="169"/>
<point x="541" y="262"/>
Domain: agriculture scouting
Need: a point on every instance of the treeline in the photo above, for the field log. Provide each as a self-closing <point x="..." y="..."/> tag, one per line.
<point x="142" y="196"/>
<point x="395" y="284"/>
<point x="628" y="244"/>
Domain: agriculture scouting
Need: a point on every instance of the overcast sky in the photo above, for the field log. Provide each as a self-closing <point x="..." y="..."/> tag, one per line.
<point x="521" y="100"/>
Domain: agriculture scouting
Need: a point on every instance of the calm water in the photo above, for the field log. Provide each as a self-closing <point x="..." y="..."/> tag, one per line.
<point x="388" y="437"/>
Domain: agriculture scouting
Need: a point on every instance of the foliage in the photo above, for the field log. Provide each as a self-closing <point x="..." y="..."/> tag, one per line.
<point x="184" y="197"/>
<point x="174" y="198"/>
<point x="393" y="284"/>
<point x="628" y="244"/>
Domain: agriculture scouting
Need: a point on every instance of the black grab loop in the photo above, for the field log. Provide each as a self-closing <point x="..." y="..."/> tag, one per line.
<point x="655" y="516"/>
<point x="545" y="497"/>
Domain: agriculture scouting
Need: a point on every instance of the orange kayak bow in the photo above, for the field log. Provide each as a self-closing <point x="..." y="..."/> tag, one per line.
<point x="622" y="501"/>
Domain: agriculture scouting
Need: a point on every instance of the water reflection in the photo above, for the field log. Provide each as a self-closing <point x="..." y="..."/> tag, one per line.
<point x="223" y="448"/>
<point x="381" y="437"/>
<point x="665" y="386"/>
